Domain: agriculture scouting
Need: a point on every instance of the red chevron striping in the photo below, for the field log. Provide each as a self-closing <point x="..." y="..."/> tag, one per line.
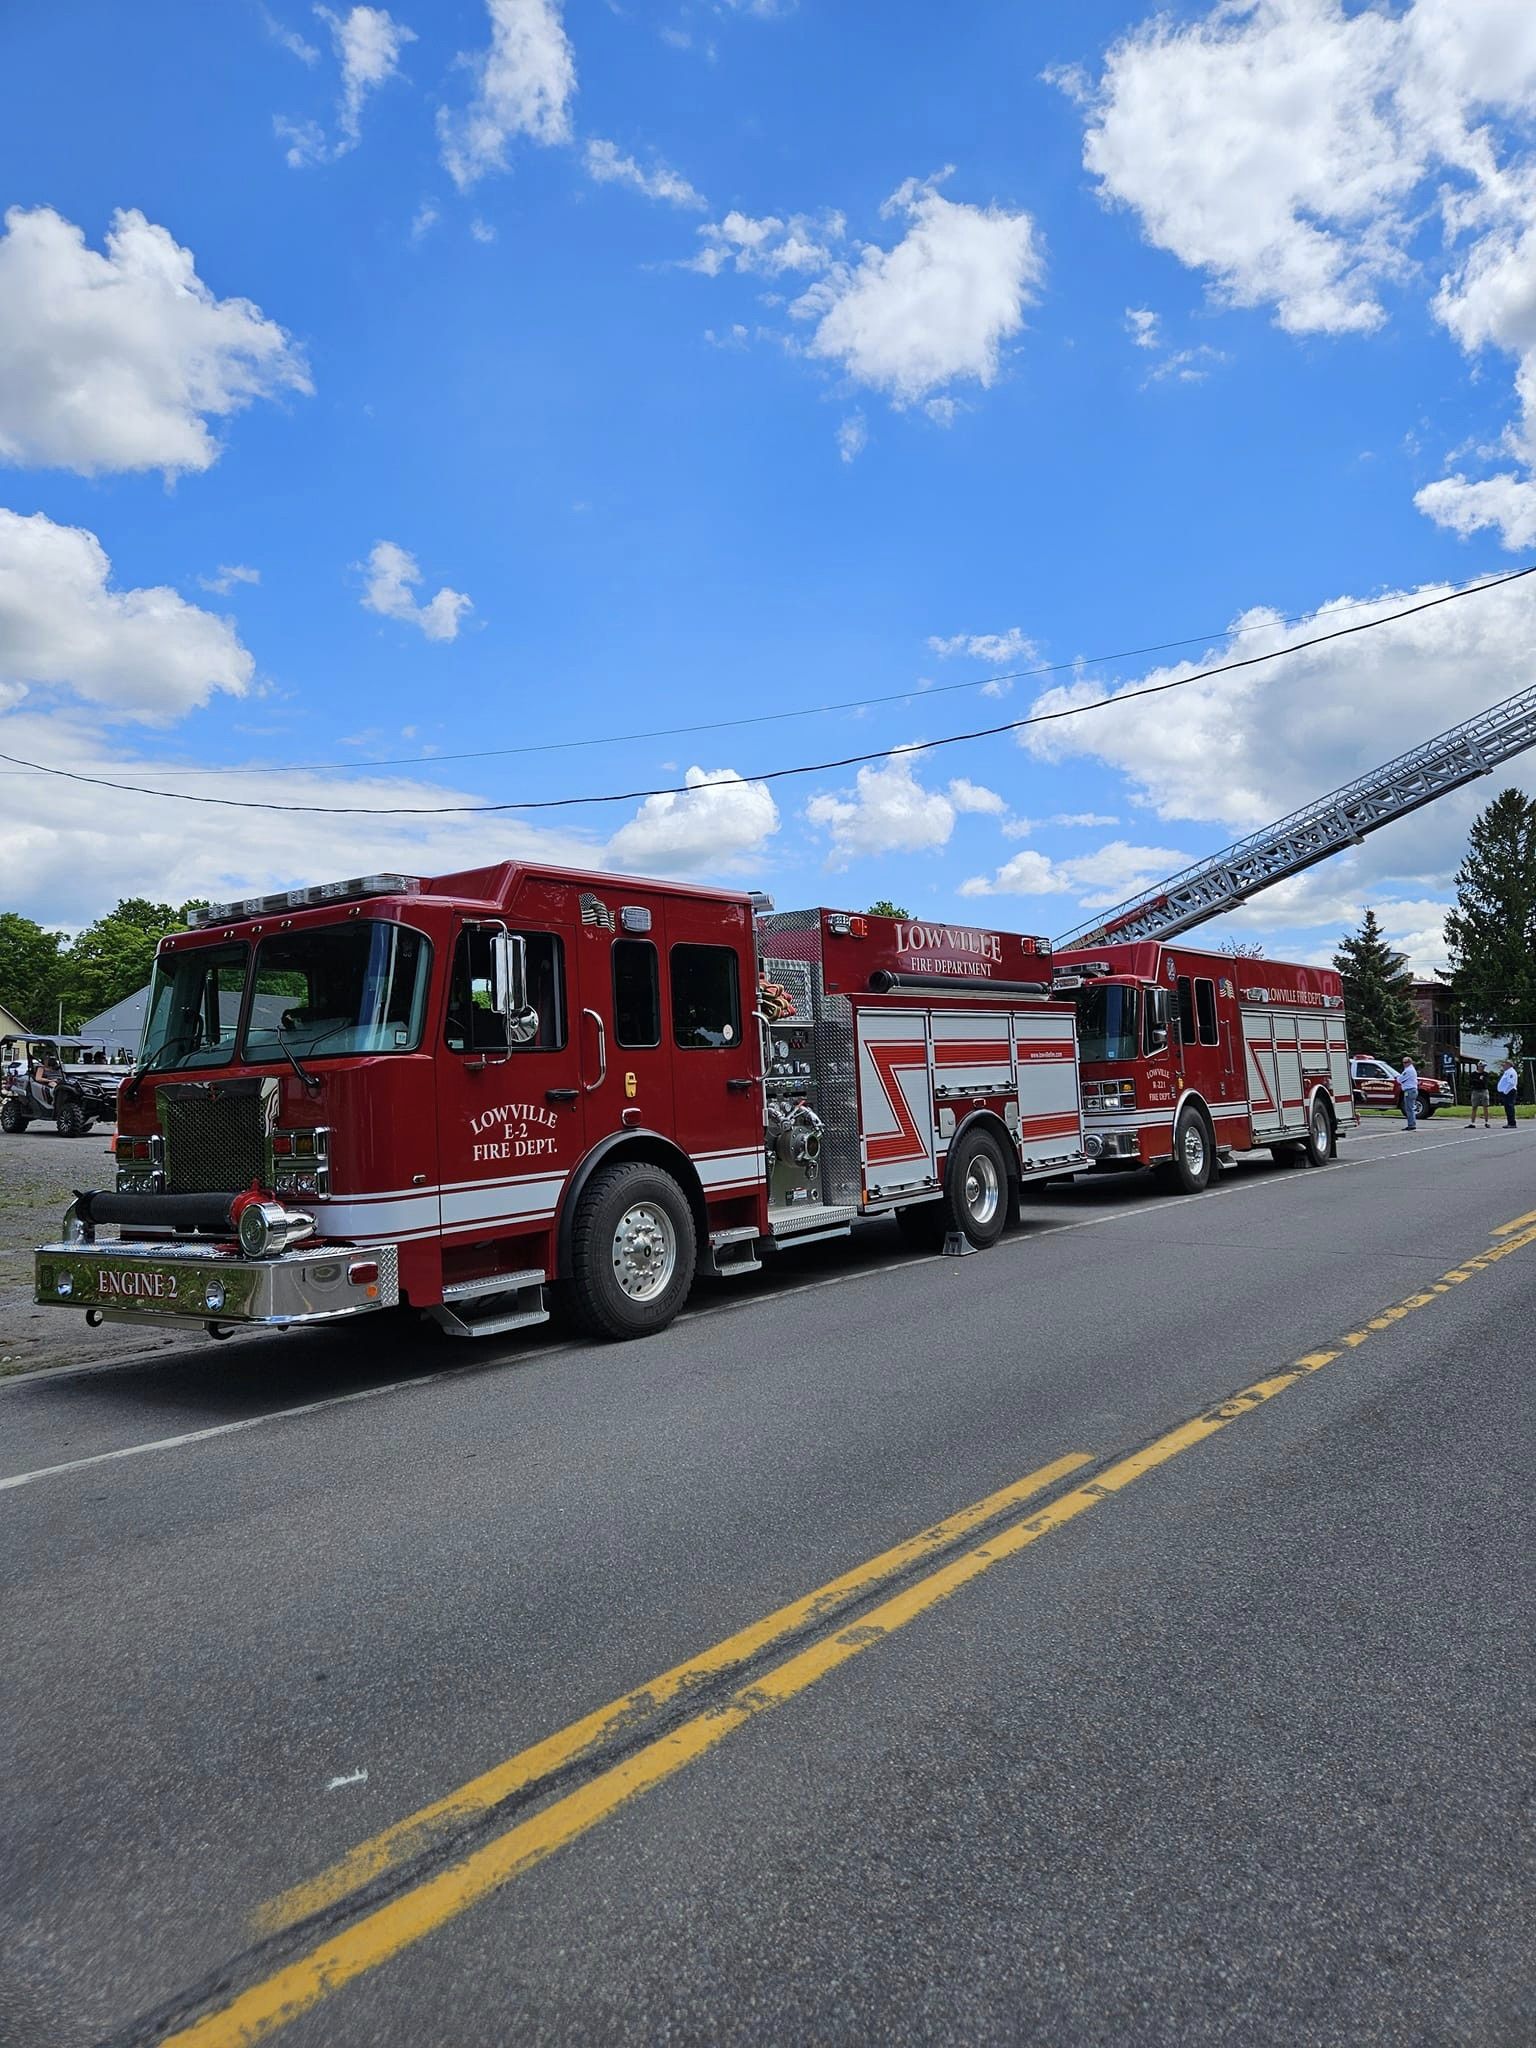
<point x="908" y="1142"/>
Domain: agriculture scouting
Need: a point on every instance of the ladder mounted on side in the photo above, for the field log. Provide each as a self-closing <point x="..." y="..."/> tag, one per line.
<point x="1414" y="779"/>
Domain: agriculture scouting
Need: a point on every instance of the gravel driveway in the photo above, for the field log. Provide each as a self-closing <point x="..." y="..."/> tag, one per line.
<point x="39" y="1171"/>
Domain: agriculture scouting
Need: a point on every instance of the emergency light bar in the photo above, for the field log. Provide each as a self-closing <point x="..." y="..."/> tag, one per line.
<point x="306" y="899"/>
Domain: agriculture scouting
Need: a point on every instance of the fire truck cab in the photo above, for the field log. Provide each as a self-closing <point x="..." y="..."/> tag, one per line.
<point x="1189" y="1058"/>
<point x="452" y="1093"/>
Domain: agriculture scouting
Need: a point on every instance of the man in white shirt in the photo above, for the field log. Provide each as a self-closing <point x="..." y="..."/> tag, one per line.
<point x="1509" y="1082"/>
<point x="1408" y="1081"/>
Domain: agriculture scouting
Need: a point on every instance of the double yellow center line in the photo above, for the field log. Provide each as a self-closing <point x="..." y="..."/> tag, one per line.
<point x="333" y="1958"/>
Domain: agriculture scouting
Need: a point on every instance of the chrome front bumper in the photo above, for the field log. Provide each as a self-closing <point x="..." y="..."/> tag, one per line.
<point x="1105" y="1141"/>
<point x="186" y="1281"/>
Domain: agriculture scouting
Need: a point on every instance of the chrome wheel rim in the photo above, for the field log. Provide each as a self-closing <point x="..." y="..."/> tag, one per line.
<point x="983" y="1191"/>
<point x="1194" y="1147"/>
<point x="644" y="1251"/>
<point x="1320" y="1130"/>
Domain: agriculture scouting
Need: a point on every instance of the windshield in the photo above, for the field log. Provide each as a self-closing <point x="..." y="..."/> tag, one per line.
<point x="194" y="1007"/>
<point x="1106" y="1022"/>
<point x="359" y="987"/>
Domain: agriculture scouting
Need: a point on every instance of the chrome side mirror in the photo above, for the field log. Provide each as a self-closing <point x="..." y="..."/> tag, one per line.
<point x="509" y="987"/>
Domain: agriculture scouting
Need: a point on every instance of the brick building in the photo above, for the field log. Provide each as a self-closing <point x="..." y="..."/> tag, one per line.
<point x="1439" y="1026"/>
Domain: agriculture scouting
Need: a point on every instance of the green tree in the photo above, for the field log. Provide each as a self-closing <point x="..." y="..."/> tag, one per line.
<point x="29" y="970"/>
<point x="886" y="908"/>
<point x="112" y="958"/>
<point x="1378" y="1012"/>
<point x="1491" y="934"/>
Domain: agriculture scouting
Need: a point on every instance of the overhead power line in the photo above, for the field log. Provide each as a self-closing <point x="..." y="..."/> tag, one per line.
<point x="624" y="796"/>
<point x="918" y="692"/>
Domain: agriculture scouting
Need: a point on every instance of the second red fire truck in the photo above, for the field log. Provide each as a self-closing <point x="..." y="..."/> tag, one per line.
<point x="454" y="1093"/>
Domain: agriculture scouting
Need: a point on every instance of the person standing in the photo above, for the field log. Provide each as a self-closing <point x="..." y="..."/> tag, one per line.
<point x="1408" y="1082"/>
<point x="1479" y="1092"/>
<point x="1509" y="1082"/>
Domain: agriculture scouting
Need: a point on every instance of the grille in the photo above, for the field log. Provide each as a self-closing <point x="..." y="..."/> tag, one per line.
<point x="215" y="1137"/>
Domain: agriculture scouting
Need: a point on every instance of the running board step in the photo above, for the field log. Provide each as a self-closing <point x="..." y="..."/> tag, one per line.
<point x="732" y="1252"/>
<point x="491" y="1307"/>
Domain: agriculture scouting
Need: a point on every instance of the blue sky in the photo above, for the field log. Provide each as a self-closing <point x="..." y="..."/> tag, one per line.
<point x="377" y="385"/>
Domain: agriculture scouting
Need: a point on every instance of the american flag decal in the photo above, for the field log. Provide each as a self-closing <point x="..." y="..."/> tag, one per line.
<point x="595" y="911"/>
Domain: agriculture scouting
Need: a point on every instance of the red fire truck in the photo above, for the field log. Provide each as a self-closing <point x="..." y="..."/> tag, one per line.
<point x="452" y="1093"/>
<point x="1189" y="1057"/>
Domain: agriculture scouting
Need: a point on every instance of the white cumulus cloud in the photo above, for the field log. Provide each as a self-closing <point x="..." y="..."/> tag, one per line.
<point x="719" y="825"/>
<point x="118" y="361"/>
<point x="230" y="573"/>
<point x="852" y="437"/>
<point x="1098" y="879"/>
<point x="938" y="306"/>
<point x="768" y="245"/>
<point x="524" y="84"/>
<point x="144" y="654"/>
<point x="889" y="811"/>
<point x="392" y="578"/>
<point x="1292" y="151"/>
<point x="367" y="42"/>
<point x="607" y="165"/>
<point x="995" y="649"/>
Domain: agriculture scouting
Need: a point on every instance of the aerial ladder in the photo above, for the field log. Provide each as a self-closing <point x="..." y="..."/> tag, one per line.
<point x="1224" y="880"/>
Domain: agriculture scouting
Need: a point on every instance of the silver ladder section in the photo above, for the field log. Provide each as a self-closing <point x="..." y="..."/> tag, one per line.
<point x="1223" y="880"/>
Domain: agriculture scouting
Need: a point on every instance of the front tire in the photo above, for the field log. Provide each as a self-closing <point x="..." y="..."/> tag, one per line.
<point x="11" y="1119"/>
<point x="1427" y="1107"/>
<point x="1318" y="1149"/>
<point x="1194" y="1154"/>
<point x="71" y="1120"/>
<point x="975" y="1198"/>
<point x="633" y="1251"/>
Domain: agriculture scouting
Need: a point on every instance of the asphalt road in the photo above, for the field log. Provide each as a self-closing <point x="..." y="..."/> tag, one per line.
<point x="1218" y="1732"/>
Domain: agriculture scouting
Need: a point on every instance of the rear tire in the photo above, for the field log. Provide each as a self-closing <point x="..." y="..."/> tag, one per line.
<point x="1194" y="1155"/>
<point x="975" y="1198"/>
<point x="633" y="1251"/>
<point x="1318" y="1149"/>
<point x="11" y="1118"/>
<point x="70" y="1120"/>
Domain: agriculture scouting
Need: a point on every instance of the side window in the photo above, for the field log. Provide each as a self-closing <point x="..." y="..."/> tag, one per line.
<point x="636" y="993"/>
<point x="473" y="1025"/>
<point x="1186" y="1010"/>
<point x="1205" y="1012"/>
<point x="706" y="998"/>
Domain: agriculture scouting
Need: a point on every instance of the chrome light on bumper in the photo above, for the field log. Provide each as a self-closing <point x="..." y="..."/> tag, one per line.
<point x="266" y="1229"/>
<point x="189" y="1281"/>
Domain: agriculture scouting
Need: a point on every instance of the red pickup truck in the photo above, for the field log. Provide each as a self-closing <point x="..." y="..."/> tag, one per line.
<point x="1376" y="1086"/>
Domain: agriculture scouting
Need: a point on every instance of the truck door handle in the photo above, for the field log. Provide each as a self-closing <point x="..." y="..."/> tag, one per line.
<point x="742" y="1082"/>
<point x="560" y="1094"/>
<point x="602" y="1053"/>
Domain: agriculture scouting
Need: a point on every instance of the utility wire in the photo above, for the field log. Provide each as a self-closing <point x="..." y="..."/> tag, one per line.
<point x="624" y="796"/>
<point x="916" y="694"/>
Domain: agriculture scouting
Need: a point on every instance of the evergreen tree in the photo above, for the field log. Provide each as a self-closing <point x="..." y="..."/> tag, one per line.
<point x="1491" y="934"/>
<point x="1378" y="1012"/>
